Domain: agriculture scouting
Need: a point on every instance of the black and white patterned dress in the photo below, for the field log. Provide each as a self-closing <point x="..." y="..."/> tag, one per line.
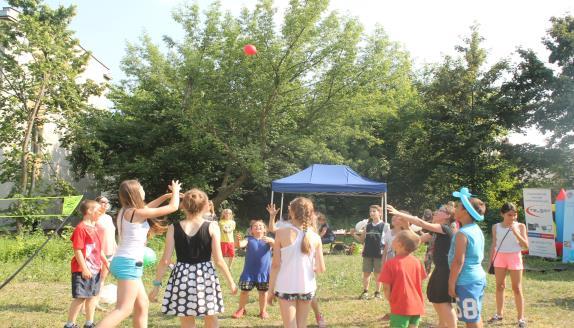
<point x="193" y="287"/>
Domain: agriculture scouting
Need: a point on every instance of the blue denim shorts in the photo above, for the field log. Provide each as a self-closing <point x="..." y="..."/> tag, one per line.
<point x="124" y="268"/>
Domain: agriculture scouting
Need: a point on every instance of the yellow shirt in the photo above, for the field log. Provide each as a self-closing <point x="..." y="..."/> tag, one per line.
<point x="226" y="227"/>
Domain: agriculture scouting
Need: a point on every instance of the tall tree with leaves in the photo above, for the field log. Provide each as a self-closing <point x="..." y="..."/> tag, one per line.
<point x="206" y="113"/>
<point x="456" y="134"/>
<point x="40" y="62"/>
<point x="542" y="95"/>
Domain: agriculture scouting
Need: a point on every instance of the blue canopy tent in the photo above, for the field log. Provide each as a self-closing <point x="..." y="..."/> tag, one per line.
<point x="323" y="179"/>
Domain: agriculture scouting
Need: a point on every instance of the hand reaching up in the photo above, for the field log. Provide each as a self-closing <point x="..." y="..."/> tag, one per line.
<point x="392" y="210"/>
<point x="272" y="210"/>
<point x="175" y="186"/>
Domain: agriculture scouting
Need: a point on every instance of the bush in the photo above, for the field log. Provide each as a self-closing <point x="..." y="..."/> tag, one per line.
<point x="22" y="246"/>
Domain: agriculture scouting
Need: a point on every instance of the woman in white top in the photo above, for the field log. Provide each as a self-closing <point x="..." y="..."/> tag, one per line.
<point x="135" y="220"/>
<point x="107" y="233"/>
<point x="509" y="238"/>
<point x="297" y="257"/>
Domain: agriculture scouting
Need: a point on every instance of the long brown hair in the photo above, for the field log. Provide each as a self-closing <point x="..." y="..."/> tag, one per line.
<point x="302" y="211"/>
<point x="130" y="197"/>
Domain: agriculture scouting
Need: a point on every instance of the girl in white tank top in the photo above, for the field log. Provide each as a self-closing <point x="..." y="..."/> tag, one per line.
<point x="508" y="244"/>
<point x="509" y="238"/>
<point x="126" y="266"/>
<point x="297" y="257"/>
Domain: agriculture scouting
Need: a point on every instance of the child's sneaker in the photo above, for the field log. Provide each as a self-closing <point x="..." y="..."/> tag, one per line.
<point x="71" y="326"/>
<point x="321" y="323"/>
<point x="495" y="318"/>
<point x="239" y="313"/>
<point x="378" y="295"/>
<point x="90" y="325"/>
<point x="521" y="323"/>
<point x="364" y="295"/>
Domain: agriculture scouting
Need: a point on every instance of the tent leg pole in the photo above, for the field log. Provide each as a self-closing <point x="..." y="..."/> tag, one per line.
<point x="384" y="202"/>
<point x="281" y="212"/>
<point x="271" y="197"/>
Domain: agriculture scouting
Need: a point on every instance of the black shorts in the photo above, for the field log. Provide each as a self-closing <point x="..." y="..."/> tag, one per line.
<point x="437" y="289"/>
<point x="248" y="285"/>
<point x="85" y="288"/>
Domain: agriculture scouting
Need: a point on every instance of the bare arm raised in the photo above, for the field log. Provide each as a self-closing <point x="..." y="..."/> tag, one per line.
<point x="434" y="227"/>
<point x="272" y="216"/>
<point x="142" y="214"/>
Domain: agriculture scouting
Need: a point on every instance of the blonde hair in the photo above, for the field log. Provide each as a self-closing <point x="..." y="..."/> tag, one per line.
<point x="301" y="211"/>
<point x="409" y="240"/>
<point x="130" y="197"/>
<point x="227" y="210"/>
<point x="194" y="201"/>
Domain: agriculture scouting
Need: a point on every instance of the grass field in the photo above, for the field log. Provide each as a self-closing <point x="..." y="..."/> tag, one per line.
<point x="40" y="296"/>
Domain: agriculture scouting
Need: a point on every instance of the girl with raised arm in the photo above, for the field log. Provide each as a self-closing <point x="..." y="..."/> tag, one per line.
<point x="135" y="220"/>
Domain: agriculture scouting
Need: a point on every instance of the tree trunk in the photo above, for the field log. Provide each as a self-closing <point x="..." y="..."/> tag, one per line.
<point x="34" y="164"/>
<point x="28" y="134"/>
<point x="226" y="190"/>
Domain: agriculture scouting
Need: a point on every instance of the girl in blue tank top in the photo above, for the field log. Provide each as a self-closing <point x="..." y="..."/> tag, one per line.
<point x="467" y="279"/>
<point x="256" y="268"/>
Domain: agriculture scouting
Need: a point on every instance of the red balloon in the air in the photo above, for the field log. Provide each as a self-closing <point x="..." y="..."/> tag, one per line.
<point x="249" y="50"/>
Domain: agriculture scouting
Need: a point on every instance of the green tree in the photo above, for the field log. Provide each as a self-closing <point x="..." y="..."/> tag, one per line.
<point x="542" y="95"/>
<point x="455" y="135"/>
<point x="40" y="62"/>
<point x="215" y="118"/>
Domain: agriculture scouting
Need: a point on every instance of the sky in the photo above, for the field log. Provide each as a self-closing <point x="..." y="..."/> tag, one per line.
<point x="428" y="29"/>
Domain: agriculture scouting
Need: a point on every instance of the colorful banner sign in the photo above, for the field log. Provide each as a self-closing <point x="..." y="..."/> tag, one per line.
<point x="568" y="232"/>
<point x="539" y="222"/>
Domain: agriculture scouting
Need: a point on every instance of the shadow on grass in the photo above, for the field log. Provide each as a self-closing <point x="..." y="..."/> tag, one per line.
<point x="547" y="269"/>
<point x="565" y="303"/>
<point x="26" y="308"/>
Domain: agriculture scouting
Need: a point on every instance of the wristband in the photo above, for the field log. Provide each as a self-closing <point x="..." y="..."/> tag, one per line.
<point x="156" y="283"/>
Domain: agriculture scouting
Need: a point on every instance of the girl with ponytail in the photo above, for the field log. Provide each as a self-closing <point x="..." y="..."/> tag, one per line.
<point x="297" y="257"/>
<point x="136" y="222"/>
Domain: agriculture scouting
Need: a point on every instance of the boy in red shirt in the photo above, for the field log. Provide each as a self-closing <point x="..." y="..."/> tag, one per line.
<point x="402" y="279"/>
<point x="86" y="265"/>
